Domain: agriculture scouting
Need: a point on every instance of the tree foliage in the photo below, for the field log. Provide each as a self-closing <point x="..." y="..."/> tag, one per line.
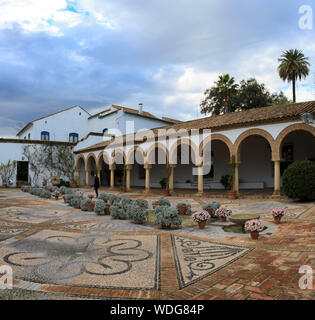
<point x="228" y="96"/>
<point x="7" y="170"/>
<point x="293" y="65"/>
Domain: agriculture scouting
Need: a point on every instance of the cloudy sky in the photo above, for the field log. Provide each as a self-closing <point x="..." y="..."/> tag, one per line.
<point x="93" y="53"/>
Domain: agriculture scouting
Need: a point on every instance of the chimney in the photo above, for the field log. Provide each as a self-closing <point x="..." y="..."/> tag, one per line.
<point x="140" y="108"/>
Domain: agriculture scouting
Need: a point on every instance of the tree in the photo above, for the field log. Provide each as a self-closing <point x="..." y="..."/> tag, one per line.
<point x="7" y="171"/>
<point x="278" y="99"/>
<point x="293" y="65"/>
<point x="252" y="94"/>
<point x="221" y="98"/>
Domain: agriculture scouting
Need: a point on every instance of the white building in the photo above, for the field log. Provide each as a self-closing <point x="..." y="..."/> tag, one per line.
<point x="75" y="126"/>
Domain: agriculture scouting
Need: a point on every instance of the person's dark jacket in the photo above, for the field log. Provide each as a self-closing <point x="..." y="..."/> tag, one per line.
<point x="97" y="182"/>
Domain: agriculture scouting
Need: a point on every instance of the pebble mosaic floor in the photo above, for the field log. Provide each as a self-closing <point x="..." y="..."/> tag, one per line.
<point x="57" y="252"/>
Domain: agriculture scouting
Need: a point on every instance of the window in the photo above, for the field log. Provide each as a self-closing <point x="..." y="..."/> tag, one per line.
<point x="105" y="130"/>
<point x="73" y="137"/>
<point x="44" y="136"/>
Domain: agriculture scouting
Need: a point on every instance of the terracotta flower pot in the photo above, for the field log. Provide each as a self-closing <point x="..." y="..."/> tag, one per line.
<point x="223" y="219"/>
<point x="277" y="219"/>
<point x="254" y="234"/>
<point x="123" y="189"/>
<point x="166" y="227"/>
<point x="74" y="184"/>
<point x="232" y="194"/>
<point x="91" y="206"/>
<point x="166" y="192"/>
<point x="202" y="224"/>
<point x="181" y="209"/>
<point x="106" y="210"/>
<point x="64" y="199"/>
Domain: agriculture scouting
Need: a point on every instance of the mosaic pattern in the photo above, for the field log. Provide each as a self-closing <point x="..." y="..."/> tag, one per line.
<point x="197" y="259"/>
<point x="92" y="260"/>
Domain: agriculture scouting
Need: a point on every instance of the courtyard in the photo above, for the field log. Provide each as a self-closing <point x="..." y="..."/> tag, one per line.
<point x="58" y="252"/>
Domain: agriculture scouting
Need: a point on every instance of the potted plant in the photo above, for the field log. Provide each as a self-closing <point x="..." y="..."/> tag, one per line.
<point x="167" y="217"/>
<point x="90" y="205"/>
<point x="7" y="171"/>
<point x="201" y="217"/>
<point x="56" y="194"/>
<point x="90" y="196"/>
<point x="211" y="208"/>
<point x="277" y="214"/>
<point x="228" y="180"/>
<point x="99" y="207"/>
<point x="163" y="184"/>
<point x="223" y="213"/>
<point x="183" y="208"/>
<point x="254" y="227"/>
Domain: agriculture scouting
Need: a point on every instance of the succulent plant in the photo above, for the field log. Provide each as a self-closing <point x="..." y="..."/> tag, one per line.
<point x="83" y="204"/>
<point x="167" y="216"/>
<point x="139" y="215"/>
<point x="117" y="213"/>
<point x="99" y="207"/>
<point x="164" y="202"/>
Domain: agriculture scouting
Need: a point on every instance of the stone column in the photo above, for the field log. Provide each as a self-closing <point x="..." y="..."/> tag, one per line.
<point x="236" y="178"/>
<point x="200" y="180"/>
<point x="147" y="177"/>
<point x="276" y="178"/>
<point x="112" y="176"/>
<point x="171" y="178"/>
<point x="128" y="168"/>
<point x="87" y="176"/>
<point x="77" y="177"/>
<point x="98" y="172"/>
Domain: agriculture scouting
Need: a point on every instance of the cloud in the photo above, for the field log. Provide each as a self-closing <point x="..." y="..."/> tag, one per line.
<point x="55" y="54"/>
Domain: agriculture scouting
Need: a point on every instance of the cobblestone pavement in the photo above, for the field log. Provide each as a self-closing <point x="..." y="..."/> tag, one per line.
<point x="57" y="252"/>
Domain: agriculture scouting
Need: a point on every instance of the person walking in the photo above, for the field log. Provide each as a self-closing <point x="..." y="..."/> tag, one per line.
<point x="96" y="184"/>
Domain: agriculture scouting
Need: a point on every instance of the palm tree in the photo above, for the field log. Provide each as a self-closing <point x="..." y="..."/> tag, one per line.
<point x="226" y="86"/>
<point x="293" y="65"/>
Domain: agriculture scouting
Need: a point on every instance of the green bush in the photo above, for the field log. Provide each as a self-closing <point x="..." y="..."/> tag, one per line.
<point x="167" y="216"/>
<point x="83" y="204"/>
<point x="63" y="189"/>
<point x="298" y="180"/>
<point x="125" y="202"/>
<point x="45" y="194"/>
<point x="164" y="202"/>
<point x="117" y="213"/>
<point x="99" y="207"/>
<point x="142" y="203"/>
<point x="69" y="197"/>
<point x="25" y="188"/>
<point x="103" y="196"/>
<point x="75" y="202"/>
<point x="139" y="215"/>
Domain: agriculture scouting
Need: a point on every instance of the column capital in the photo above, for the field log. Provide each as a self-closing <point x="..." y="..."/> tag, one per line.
<point x="171" y="165"/>
<point x="112" y="167"/>
<point x="129" y="166"/>
<point x="147" y="166"/>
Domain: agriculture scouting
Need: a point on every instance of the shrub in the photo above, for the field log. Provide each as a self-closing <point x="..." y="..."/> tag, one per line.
<point x="112" y="198"/>
<point x="125" y="202"/>
<point x="103" y="196"/>
<point x="64" y="183"/>
<point x="142" y="203"/>
<point x="63" y="189"/>
<point x="164" y="202"/>
<point x="45" y="194"/>
<point x="298" y="180"/>
<point x="83" y="204"/>
<point x="75" y="202"/>
<point x="37" y="191"/>
<point x="99" y="207"/>
<point x="167" y="216"/>
<point x="69" y="197"/>
<point x="117" y="213"/>
<point x="211" y="207"/>
<point x="139" y="215"/>
<point x="25" y="188"/>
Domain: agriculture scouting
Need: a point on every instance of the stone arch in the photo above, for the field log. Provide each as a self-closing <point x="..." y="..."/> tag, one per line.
<point x="78" y="162"/>
<point x="216" y="137"/>
<point x="100" y="159"/>
<point x="131" y="152"/>
<point x="154" y="146"/>
<point x="187" y="142"/>
<point x="87" y="164"/>
<point x="117" y="152"/>
<point x="282" y="135"/>
<point x="253" y="132"/>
